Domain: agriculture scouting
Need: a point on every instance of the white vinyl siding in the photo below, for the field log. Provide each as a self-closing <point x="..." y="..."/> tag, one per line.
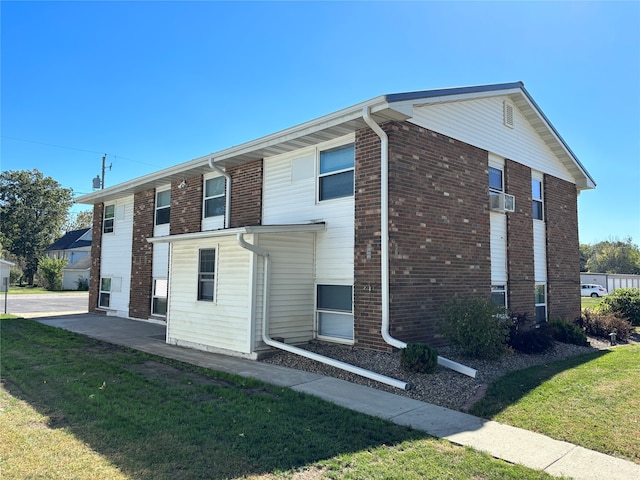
<point x="223" y="324"/>
<point x="498" y="248"/>
<point x="290" y="186"/>
<point x="539" y="251"/>
<point x="291" y="303"/>
<point x="116" y="258"/>
<point x="480" y="123"/>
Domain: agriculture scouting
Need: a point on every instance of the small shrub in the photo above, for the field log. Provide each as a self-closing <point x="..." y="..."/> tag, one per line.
<point x="600" y="324"/>
<point x="51" y="271"/>
<point x="476" y="327"/>
<point x="625" y="302"/>
<point x="418" y="358"/>
<point x="82" y="284"/>
<point x="567" y="332"/>
<point x="525" y="339"/>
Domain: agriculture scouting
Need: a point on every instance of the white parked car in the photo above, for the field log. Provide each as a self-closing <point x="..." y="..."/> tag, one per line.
<point x="593" y="290"/>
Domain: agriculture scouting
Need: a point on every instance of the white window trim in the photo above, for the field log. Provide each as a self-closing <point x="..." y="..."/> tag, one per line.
<point x="101" y="291"/>
<point x="317" y="310"/>
<point x="112" y="218"/>
<point x="216" y="250"/>
<point x="205" y="198"/>
<point x="155" y="212"/>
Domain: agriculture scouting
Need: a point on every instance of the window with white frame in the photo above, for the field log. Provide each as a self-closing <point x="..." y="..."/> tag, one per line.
<point x="159" y="300"/>
<point x="536" y="196"/>
<point x="104" y="298"/>
<point x="214" y="197"/>
<point x="336" y="172"/>
<point x="496" y="183"/>
<point x="334" y="308"/>
<point x="541" y="303"/>
<point x="499" y="295"/>
<point x="163" y="207"/>
<point x="206" y="274"/>
<point x="109" y="218"/>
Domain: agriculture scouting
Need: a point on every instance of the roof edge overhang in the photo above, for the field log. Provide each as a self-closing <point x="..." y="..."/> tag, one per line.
<point x="256" y="229"/>
<point x="398" y="106"/>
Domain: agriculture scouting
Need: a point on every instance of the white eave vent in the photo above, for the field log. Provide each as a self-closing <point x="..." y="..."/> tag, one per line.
<point x="508" y="114"/>
<point x="502" y="202"/>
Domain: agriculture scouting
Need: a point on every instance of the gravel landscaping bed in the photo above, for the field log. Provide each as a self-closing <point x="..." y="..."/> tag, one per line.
<point x="445" y="387"/>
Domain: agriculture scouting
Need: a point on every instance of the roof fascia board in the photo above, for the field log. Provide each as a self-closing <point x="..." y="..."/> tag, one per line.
<point x="462" y="92"/>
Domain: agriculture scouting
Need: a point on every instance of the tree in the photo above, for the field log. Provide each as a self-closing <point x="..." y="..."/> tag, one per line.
<point x="613" y="256"/>
<point x="82" y="219"/>
<point x="33" y="210"/>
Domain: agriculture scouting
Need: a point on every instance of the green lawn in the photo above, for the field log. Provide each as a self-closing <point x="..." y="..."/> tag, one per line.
<point x="26" y="290"/>
<point x="73" y="407"/>
<point x="592" y="401"/>
<point x="588" y="302"/>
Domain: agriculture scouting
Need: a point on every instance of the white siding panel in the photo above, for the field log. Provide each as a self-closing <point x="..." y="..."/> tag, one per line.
<point x="498" y="247"/>
<point x="291" y="301"/>
<point x="540" y="251"/>
<point x="116" y="256"/>
<point x="160" y="260"/>
<point x="223" y="324"/>
<point x="480" y="123"/>
<point x="290" y="197"/>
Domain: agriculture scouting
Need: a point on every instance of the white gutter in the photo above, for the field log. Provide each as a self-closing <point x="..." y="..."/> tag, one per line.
<point x="227" y="203"/>
<point x="299" y="351"/>
<point x="384" y="245"/>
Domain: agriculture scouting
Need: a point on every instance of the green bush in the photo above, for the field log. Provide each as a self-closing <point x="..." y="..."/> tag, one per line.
<point x="567" y="332"/>
<point x="82" y="284"/>
<point x="418" y="358"/>
<point x="600" y="324"/>
<point x="625" y="302"/>
<point x="476" y="327"/>
<point x="51" y="271"/>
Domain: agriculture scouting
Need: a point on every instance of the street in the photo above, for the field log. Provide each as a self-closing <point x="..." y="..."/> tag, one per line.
<point x="43" y="305"/>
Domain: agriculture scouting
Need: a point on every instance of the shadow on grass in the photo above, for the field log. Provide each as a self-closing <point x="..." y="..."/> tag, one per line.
<point x="160" y="419"/>
<point x="509" y="389"/>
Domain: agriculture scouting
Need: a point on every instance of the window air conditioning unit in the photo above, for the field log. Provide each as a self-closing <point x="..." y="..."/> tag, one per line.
<point x="502" y="202"/>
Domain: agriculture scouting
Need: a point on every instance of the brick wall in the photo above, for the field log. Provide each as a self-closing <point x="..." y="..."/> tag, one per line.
<point x="563" y="249"/>
<point x="142" y="254"/>
<point x="186" y="206"/>
<point x="438" y="231"/>
<point x="96" y="255"/>
<point x="520" y="264"/>
<point x="246" y="194"/>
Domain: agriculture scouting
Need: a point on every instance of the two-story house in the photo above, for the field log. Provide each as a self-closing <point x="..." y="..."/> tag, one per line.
<point x="355" y="227"/>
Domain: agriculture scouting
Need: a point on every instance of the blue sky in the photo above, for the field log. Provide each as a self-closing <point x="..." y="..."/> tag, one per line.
<point x="153" y="84"/>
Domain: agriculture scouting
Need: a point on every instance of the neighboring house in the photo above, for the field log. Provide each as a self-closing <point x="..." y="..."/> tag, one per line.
<point x="354" y="228"/>
<point x="75" y="247"/>
<point x="5" y="274"/>
<point x="611" y="281"/>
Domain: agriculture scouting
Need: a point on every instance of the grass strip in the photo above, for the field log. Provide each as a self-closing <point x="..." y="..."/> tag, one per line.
<point x="591" y="400"/>
<point x="74" y="407"/>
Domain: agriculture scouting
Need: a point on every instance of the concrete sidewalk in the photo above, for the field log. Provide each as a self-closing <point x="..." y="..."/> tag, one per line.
<point x="512" y="444"/>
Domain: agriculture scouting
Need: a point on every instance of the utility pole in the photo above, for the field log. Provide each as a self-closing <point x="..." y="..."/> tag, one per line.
<point x="98" y="182"/>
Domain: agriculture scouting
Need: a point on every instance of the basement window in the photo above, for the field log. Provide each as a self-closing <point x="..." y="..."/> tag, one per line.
<point x="334" y="309"/>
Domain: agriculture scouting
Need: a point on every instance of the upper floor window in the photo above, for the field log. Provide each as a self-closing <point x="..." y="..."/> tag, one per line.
<point x="536" y="196"/>
<point x="109" y="218"/>
<point x="163" y="207"/>
<point x="214" y="197"/>
<point x="336" y="172"/>
<point x="496" y="184"/>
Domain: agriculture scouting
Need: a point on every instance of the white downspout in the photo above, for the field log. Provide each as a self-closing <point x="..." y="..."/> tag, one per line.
<point x="384" y="245"/>
<point x="227" y="201"/>
<point x="299" y="351"/>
